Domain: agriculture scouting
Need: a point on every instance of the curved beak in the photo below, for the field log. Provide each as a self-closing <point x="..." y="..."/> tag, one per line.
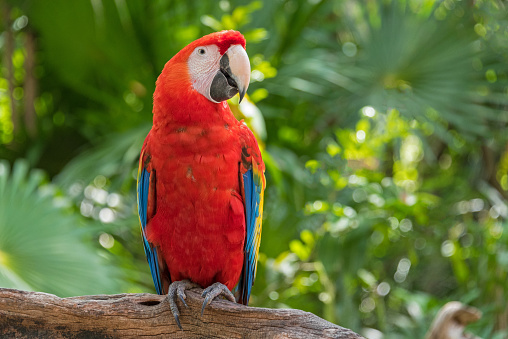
<point x="240" y="68"/>
<point x="233" y="76"/>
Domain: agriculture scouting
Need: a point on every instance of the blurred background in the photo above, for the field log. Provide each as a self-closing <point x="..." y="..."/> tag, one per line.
<point x="383" y="128"/>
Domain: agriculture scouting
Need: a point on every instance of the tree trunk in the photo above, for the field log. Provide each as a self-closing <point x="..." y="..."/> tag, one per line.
<point x="41" y="315"/>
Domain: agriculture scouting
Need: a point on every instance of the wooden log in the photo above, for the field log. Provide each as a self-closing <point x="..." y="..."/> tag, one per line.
<point x="41" y="315"/>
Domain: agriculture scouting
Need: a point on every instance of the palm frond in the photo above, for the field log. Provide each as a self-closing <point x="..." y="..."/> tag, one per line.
<point x="40" y="247"/>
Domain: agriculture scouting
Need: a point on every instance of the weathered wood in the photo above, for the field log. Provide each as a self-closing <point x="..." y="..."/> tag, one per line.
<point x="451" y="320"/>
<point x="41" y="315"/>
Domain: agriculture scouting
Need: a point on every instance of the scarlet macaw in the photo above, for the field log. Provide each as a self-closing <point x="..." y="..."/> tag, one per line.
<point x="201" y="176"/>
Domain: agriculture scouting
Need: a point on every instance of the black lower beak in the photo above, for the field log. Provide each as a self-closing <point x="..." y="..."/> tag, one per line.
<point x="242" y="94"/>
<point x="223" y="86"/>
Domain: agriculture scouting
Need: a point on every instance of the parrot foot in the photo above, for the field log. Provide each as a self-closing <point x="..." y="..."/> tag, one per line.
<point x="177" y="289"/>
<point x="213" y="291"/>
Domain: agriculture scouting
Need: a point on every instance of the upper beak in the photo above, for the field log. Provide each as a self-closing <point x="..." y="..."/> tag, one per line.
<point x="233" y="76"/>
<point x="240" y="68"/>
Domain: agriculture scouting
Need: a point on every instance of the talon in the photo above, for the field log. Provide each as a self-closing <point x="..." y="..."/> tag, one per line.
<point x="177" y="289"/>
<point x="177" y="318"/>
<point x="182" y="298"/>
<point x="203" y="308"/>
<point x="213" y="291"/>
<point x="180" y="291"/>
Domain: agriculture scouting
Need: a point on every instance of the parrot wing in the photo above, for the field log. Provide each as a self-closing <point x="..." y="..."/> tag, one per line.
<point x="252" y="179"/>
<point x="146" y="210"/>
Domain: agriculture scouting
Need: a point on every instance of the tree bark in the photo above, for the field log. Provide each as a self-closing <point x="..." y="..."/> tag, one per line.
<point x="41" y="315"/>
<point x="8" y="53"/>
<point x="30" y="85"/>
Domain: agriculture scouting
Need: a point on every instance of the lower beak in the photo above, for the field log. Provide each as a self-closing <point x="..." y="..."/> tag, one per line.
<point x="233" y="76"/>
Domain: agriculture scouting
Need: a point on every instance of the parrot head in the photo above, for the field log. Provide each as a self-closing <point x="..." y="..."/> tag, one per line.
<point x="216" y="66"/>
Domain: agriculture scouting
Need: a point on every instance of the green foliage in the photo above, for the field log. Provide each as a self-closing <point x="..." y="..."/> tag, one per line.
<point x="382" y="125"/>
<point x="42" y="247"/>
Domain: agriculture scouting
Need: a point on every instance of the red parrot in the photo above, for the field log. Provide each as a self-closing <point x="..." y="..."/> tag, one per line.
<point x="201" y="177"/>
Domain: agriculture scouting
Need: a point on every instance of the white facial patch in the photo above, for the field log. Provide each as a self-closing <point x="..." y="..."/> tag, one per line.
<point x="203" y="64"/>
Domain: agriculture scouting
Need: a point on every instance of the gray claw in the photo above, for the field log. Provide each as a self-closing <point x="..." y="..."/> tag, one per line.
<point x="180" y="291"/>
<point x="214" y="290"/>
<point x="182" y="298"/>
<point x="177" y="289"/>
<point x="177" y="318"/>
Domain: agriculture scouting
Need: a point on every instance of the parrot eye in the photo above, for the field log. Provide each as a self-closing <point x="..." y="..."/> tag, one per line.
<point x="201" y="51"/>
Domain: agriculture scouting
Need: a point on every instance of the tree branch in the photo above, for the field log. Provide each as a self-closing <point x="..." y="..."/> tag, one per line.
<point x="39" y="315"/>
<point x="30" y="85"/>
<point x="451" y="320"/>
<point x="9" y="51"/>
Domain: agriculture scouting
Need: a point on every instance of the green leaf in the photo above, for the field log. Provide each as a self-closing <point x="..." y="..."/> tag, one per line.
<point x="41" y="248"/>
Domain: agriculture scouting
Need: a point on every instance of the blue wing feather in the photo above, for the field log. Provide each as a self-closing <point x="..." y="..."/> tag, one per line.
<point x="253" y="199"/>
<point x="150" y="252"/>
